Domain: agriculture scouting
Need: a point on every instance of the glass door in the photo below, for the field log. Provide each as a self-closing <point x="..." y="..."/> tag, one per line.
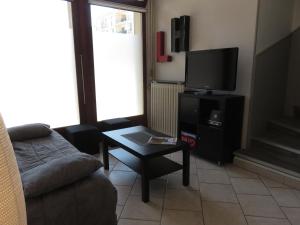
<point x="118" y="62"/>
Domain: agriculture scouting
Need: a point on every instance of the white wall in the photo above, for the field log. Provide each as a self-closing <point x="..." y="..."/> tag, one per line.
<point x="296" y="18"/>
<point x="214" y="24"/>
<point x="274" y="22"/>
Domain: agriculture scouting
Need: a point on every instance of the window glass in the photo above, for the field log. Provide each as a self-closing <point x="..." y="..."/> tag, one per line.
<point x="37" y="63"/>
<point x="118" y="60"/>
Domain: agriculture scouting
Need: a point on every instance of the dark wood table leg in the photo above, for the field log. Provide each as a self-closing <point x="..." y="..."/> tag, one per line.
<point x="186" y="167"/>
<point x="145" y="182"/>
<point x="105" y="155"/>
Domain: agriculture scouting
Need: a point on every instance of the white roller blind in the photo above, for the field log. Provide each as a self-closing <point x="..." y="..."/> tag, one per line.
<point x="37" y="63"/>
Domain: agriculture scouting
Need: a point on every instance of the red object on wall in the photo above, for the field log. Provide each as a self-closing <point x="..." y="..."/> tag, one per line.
<point x="160" y="48"/>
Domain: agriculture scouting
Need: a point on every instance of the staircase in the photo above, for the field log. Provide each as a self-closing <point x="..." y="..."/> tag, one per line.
<point x="279" y="148"/>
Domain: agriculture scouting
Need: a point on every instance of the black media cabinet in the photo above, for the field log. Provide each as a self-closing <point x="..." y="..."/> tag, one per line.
<point x="212" y="142"/>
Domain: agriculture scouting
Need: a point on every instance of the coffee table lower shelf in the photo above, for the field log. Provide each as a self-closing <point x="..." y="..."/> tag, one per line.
<point x="157" y="167"/>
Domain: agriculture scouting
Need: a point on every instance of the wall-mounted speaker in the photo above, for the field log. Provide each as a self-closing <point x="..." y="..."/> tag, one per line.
<point x="175" y="34"/>
<point x="180" y="33"/>
<point x="184" y="33"/>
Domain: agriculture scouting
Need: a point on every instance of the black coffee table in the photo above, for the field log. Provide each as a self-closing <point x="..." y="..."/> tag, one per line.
<point x="145" y="159"/>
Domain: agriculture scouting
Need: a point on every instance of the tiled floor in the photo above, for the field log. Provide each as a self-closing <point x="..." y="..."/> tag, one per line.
<point x="216" y="196"/>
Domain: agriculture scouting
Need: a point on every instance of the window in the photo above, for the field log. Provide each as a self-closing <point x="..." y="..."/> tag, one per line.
<point x="46" y="71"/>
<point x="38" y="76"/>
<point x="118" y="60"/>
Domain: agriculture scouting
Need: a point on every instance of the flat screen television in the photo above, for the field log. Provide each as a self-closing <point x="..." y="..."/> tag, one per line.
<point x="211" y="69"/>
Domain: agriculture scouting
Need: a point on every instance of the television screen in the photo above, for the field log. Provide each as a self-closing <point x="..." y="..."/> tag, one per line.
<point x="211" y="69"/>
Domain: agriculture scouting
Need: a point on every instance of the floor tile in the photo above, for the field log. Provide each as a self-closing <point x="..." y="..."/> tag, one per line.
<point x="112" y="160"/>
<point x="122" y="167"/>
<point x="177" y="156"/>
<point x="237" y="172"/>
<point x="297" y="192"/>
<point x="193" y="159"/>
<point x="285" y="197"/>
<point x="266" y="221"/>
<point x="183" y="200"/>
<point x="105" y="172"/>
<point x="157" y="188"/>
<point x="216" y="213"/>
<point x="136" y="222"/>
<point x="272" y="183"/>
<point x="176" y="217"/>
<point x="249" y="186"/>
<point x="183" y="205"/>
<point x="193" y="170"/>
<point x="258" y="205"/>
<point x="168" y="156"/>
<point x="119" y="211"/>
<point x="123" y="193"/>
<point x="135" y="208"/>
<point x="175" y="182"/>
<point x="204" y="164"/>
<point x="213" y="176"/>
<point x="292" y="182"/>
<point x="165" y="177"/>
<point x="122" y="177"/>
<point x="217" y="193"/>
<point x="262" y="171"/>
<point x="293" y="214"/>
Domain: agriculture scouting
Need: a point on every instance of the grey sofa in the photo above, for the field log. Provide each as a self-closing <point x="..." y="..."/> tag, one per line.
<point x="62" y="186"/>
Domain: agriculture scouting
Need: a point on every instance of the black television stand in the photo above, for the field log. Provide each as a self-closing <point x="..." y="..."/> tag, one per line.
<point x="202" y="92"/>
<point x="209" y="92"/>
<point x="212" y="142"/>
<point x="205" y="92"/>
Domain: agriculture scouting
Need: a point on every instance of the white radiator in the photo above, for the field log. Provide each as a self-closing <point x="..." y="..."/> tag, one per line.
<point x="164" y="107"/>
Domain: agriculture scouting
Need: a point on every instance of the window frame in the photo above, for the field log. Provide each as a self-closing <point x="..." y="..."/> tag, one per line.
<point x="84" y="57"/>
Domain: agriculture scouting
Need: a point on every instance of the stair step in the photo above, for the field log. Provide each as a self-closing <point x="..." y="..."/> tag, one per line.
<point x="286" y="125"/>
<point x="276" y="173"/>
<point x="275" y="152"/>
<point x="281" y="142"/>
<point x="269" y="162"/>
<point x="279" y="148"/>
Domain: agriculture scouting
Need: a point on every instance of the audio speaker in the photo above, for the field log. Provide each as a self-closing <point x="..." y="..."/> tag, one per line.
<point x="175" y="34"/>
<point x="184" y="33"/>
<point x="180" y="29"/>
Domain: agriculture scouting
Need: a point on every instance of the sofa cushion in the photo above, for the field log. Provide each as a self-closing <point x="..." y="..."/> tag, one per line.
<point x="50" y="162"/>
<point x="30" y="131"/>
<point x="58" y="173"/>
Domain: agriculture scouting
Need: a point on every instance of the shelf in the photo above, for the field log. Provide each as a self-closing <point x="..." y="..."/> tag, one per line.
<point x="207" y="126"/>
<point x="158" y="166"/>
<point x="189" y="128"/>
